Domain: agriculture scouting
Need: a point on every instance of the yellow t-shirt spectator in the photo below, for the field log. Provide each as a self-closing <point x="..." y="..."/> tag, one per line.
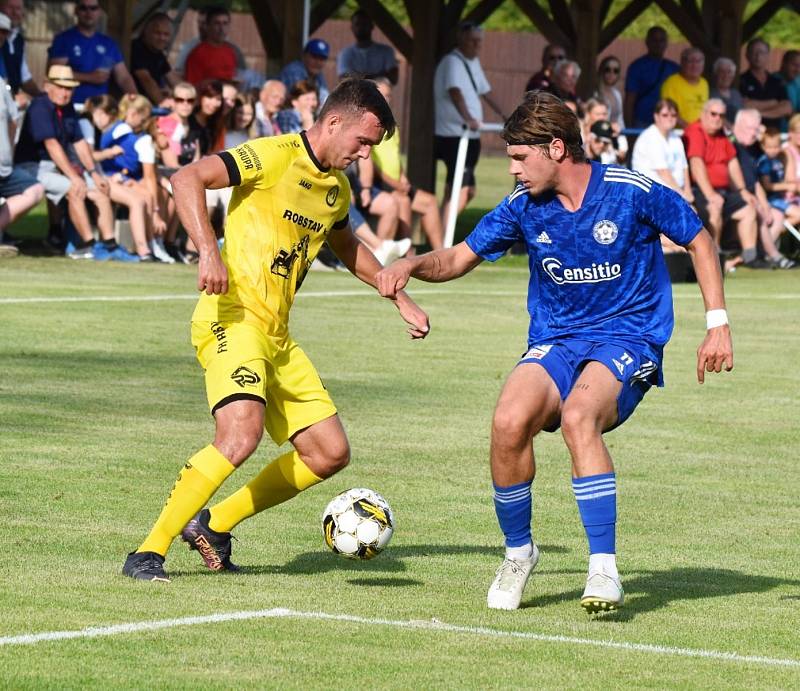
<point x="689" y="98"/>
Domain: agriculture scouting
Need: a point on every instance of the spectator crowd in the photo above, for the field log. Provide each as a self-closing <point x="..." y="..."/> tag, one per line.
<point x="100" y="138"/>
<point x="732" y="152"/>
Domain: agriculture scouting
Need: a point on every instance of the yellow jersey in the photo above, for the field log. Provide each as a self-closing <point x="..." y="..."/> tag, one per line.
<point x="283" y="206"/>
<point x="386" y="156"/>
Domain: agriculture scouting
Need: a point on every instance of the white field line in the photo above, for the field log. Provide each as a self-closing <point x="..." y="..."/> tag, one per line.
<point x="732" y="298"/>
<point x="423" y="625"/>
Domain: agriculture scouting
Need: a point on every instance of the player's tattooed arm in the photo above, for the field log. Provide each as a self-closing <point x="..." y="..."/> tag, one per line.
<point x="433" y="267"/>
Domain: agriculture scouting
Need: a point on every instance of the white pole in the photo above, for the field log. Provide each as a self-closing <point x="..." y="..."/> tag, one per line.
<point x="458" y="178"/>
<point x="791" y="229"/>
<point x="306" y="21"/>
<point x="455" y="192"/>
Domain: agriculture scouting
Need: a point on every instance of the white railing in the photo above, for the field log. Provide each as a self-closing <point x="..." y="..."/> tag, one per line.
<point x="458" y="178"/>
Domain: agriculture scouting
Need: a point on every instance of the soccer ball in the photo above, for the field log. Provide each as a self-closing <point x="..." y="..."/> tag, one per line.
<point x="357" y="524"/>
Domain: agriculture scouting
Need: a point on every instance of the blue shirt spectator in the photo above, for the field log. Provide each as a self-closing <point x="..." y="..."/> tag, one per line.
<point x="93" y="56"/>
<point x="644" y="78"/>
<point x="309" y="68"/>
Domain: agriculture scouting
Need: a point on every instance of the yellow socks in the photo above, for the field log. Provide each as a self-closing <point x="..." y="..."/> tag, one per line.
<point x="282" y="479"/>
<point x="198" y="480"/>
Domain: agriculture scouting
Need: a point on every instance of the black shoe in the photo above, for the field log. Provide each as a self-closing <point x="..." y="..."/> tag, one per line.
<point x="174" y="252"/>
<point x="758" y="264"/>
<point x="214" y="547"/>
<point x="145" y="566"/>
<point x="9" y="239"/>
<point x="329" y="259"/>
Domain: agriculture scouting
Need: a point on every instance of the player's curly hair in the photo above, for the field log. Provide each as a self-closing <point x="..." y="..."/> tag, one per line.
<point x="541" y="118"/>
<point x="357" y="96"/>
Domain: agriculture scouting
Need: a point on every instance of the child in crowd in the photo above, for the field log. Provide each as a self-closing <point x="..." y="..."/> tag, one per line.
<point x="600" y="143"/>
<point x="776" y="170"/>
<point x="103" y="112"/>
<point x="300" y="110"/>
<point x="241" y="123"/>
<point x="135" y="167"/>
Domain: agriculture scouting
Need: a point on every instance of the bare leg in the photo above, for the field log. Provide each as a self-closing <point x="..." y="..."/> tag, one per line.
<point x="105" y="213"/>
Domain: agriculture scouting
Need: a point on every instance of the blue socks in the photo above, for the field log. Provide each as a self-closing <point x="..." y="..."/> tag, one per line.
<point x="597" y="503"/>
<point x="513" y="506"/>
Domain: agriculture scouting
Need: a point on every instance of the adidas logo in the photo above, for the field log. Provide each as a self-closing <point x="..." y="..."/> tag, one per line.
<point x="544" y="239"/>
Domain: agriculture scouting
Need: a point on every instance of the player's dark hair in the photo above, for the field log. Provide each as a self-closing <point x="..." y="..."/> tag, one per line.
<point x="356" y="97"/>
<point x="541" y="118"/>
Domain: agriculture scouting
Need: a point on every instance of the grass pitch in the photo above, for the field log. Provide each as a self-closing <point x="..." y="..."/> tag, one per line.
<point x="101" y="401"/>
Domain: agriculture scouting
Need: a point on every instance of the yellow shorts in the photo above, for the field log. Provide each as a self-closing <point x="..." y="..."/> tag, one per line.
<point x="241" y="362"/>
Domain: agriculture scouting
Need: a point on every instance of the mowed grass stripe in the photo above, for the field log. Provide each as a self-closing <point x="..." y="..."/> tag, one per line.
<point x="432" y="625"/>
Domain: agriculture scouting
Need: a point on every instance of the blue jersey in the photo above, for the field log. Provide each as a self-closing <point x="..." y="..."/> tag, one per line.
<point x="598" y="272"/>
<point x="86" y="54"/>
<point x="774" y="169"/>
<point x="136" y="150"/>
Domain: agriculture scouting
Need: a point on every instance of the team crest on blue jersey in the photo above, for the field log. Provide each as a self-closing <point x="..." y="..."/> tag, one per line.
<point x="605" y="232"/>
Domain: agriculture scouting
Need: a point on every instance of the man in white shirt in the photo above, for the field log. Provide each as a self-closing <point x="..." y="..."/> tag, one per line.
<point x="458" y="87"/>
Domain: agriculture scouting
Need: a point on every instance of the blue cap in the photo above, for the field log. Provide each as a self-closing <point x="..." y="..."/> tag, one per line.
<point x="318" y="47"/>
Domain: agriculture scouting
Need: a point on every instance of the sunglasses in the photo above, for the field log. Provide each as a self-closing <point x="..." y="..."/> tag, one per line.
<point x="716" y="113"/>
<point x="613" y="70"/>
<point x="555" y="58"/>
<point x="88" y="8"/>
<point x="178" y="99"/>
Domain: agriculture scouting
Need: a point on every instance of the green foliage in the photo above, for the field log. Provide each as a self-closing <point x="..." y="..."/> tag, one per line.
<point x="781" y="31"/>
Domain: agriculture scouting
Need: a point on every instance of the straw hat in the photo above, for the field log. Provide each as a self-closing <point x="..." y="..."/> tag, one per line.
<point x="62" y="76"/>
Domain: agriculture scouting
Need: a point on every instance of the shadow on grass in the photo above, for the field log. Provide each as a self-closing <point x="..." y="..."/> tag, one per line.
<point x="391" y="561"/>
<point x="384" y="582"/>
<point x="652" y="590"/>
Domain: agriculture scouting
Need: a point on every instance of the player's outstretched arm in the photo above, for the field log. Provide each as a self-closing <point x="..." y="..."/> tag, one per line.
<point x="189" y="186"/>
<point x="362" y="264"/>
<point x="435" y="267"/>
<point x="716" y="350"/>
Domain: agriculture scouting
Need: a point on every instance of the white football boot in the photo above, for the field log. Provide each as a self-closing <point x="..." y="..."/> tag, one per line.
<point x="506" y="589"/>
<point x="603" y="593"/>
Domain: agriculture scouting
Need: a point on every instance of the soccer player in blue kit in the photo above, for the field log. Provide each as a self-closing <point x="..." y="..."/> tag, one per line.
<point x="600" y="305"/>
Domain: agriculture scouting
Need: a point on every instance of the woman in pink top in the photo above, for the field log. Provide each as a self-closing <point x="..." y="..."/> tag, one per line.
<point x="175" y="127"/>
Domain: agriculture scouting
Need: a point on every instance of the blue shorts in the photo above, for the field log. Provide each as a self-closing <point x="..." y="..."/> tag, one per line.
<point x="779" y="203"/>
<point x="16" y="183"/>
<point x="356" y="217"/>
<point x="636" y="365"/>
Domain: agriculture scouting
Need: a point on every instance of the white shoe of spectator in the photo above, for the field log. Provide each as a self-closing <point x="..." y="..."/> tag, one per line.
<point x="392" y="249"/>
<point x="160" y="252"/>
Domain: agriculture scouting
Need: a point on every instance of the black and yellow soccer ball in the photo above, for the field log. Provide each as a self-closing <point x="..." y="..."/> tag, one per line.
<point x="357" y="523"/>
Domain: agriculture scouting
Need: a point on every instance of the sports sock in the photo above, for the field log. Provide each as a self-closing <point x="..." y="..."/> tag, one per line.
<point x="198" y="480"/>
<point x="282" y="479"/>
<point x="110" y="245"/>
<point x="513" y="506"/>
<point x="604" y="563"/>
<point x="597" y="503"/>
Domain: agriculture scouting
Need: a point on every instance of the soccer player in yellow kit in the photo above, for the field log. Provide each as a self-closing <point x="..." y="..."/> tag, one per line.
<point x="289" y="197"/>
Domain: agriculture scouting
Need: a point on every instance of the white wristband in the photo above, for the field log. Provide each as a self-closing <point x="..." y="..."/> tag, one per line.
<point x="716" y="318"/>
